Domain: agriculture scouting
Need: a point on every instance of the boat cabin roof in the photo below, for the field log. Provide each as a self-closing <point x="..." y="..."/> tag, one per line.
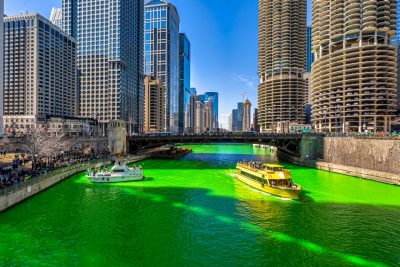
<point x="274" y="166"/>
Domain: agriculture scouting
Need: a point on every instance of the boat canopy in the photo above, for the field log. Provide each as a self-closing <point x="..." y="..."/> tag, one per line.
<point x="274" y="167"/>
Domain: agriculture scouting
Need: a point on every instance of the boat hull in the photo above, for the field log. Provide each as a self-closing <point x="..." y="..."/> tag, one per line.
<point x="284" y="193"/>
<point x="115" y="179"/>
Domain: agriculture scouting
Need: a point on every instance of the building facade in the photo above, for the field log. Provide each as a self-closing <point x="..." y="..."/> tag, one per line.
<point x="1" y="65"/>
<point x="214" y="97"/>
<point x="256" y="127"/>
<point x="40" y="72"/>
<point x="184" y="82"/>
<point x="56" y="17"/>
<point x="110" y="59"/>
<point x="281" y="62"/>
<point x="209" y="120"/>
<point x="237" y="118"/>
<point x="154" y="92"/>
<point x="162" y="54"/>
<point x="246" y="118"/>
<point x="396" y="42"/>
<point x="310" y="54"/>
<point x="354" y="77"/>
<point x="199" y="117"/>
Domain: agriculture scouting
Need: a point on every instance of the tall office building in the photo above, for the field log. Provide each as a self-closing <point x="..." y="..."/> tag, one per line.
<point x="281" y="62"/>
<point x="246" y="116"/>
<point x="209" y="120"/>
<point x="214" y="97"/>
<point x="192" y="107"/>
<point x="229" y="128"/>
<point x="199" y="117"/>
<point x="237" y="118"/>
<point x="153" y="105"/>
<point x="1" y="65"/>
<point x="110" y="58"/>
<point x="162" y="54"/>
<point x="256" y="127"/>
<point x="56" y="17"/>
<point x="310" y="54"/>
<point x="184" y="82"/>
<point x="353" y="85"/>
<point x="215" y="114"/>
<point x="40" y="73"/>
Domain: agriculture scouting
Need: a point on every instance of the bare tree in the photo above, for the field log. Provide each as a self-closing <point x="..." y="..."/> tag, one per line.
<point x="38" y="143"/>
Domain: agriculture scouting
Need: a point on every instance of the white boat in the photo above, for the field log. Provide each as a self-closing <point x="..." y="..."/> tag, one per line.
<point x="118" y="173"/>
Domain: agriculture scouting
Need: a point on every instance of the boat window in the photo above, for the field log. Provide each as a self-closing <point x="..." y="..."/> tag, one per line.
<point x="118" y="171"/>
<point x="253" y="177"/>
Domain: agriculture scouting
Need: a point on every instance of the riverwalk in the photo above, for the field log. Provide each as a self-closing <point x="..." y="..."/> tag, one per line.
<point x="18" y="193"/>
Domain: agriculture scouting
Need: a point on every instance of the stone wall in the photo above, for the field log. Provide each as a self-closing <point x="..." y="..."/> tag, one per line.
<point x="372" y="154"/>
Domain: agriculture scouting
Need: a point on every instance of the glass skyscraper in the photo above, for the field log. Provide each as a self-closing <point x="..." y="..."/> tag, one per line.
<point x="184" y="82"/>
<point x="310" y="55"/>
<point x="162" y="54"/>
<point x="110" y="58"/>
<point x="237" y="118"/>
<point x="214" y="98"/>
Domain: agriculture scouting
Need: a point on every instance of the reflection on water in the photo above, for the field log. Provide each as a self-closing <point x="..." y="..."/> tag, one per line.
<point x="194" y="213"/>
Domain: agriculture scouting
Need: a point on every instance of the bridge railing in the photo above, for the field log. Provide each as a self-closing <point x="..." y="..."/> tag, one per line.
<point x="224" y="135"/>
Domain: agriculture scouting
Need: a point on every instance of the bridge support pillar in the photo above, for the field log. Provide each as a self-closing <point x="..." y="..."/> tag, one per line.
<point x="117" y="137"/>
<point x="311" y="149"/>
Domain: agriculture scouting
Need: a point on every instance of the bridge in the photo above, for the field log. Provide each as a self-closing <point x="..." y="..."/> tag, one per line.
<point x="287" y="144"/>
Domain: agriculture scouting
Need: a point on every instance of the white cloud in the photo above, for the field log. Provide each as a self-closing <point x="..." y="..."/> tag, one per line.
<point x="248" y="81"/>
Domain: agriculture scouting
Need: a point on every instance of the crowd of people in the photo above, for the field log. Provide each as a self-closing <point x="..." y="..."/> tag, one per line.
<point x="16" y="173"/>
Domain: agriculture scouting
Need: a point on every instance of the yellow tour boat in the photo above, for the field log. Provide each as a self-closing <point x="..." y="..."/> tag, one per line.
<point x="270" y="178"/>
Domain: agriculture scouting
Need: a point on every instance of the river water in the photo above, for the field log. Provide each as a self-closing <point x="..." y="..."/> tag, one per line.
<point x="192" y="212"/>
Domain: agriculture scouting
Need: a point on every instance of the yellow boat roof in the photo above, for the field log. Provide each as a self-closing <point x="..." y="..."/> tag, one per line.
<point x="273" y="166"/>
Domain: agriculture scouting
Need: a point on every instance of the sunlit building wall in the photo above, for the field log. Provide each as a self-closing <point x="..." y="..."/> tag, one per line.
<point x="162" y="54"/>
<point x="56" y="17"/>
<point x="110" y="59"/>
<point x="281" y="62"/>
<point x="184" y="82"/>
<point x="354" y="76"/>
<point x="40" y="72"/>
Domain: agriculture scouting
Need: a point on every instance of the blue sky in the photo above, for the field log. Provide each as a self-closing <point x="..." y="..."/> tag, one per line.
<point x="223" y="34"/>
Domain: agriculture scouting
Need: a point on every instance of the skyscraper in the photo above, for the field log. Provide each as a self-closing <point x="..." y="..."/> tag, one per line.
<point x="237" y="118"/>
<point x="200" y="117"/>
<point x="110" y="58"/>
<point x="396" y="42"/>
<point x="353" y="85"/>
<point x="255" y="120"/>
<point x="1" y="65"/>
<point x="40" y="73"/>
<point x="162" y="54"/>
<point x="209" y="120"/>
<point x="281" y="62"/>
<point x="246" y="116"/>
<point x="214" y="97"/>
<point x="153" y="105"/>
<point x="310" y="54"/>
<point x="184" y="81"/>
<point x="56" y="17"/>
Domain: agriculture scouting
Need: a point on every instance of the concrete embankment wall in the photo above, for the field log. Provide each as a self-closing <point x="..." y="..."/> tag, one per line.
<point x="37" y="185"/>
<point x="373" y="154"/>
<point x="373" y="159"/>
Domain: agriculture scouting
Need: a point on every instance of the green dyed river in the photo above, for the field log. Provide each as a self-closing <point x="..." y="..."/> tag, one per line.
<point x="192" y="212"/>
